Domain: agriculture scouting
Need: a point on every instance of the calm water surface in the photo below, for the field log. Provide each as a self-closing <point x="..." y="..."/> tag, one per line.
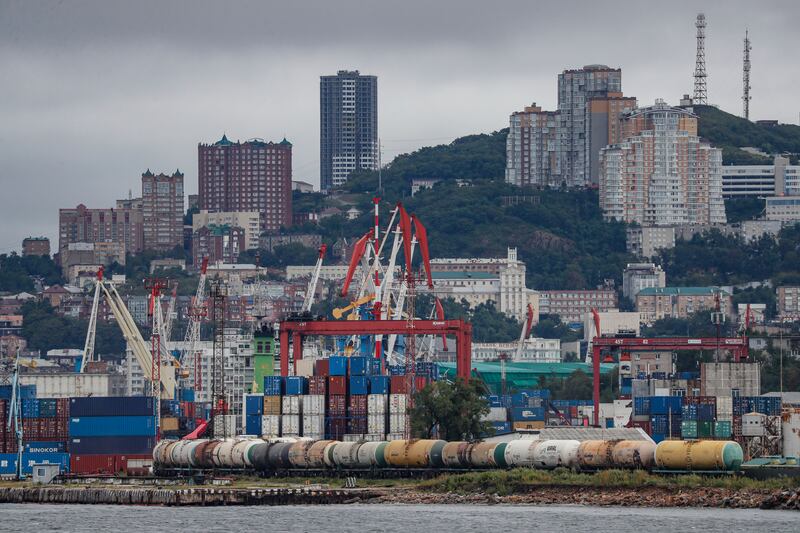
<point x="403" y="518"/>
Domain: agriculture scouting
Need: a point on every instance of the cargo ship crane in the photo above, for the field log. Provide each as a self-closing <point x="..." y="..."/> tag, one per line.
<point x="312" y="284"/>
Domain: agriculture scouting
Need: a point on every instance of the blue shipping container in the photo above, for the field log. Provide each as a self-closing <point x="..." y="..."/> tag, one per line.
<point x="519" y="414"/>
<point x="501" y="428"/>
<point x="111" y="445"/>
<point x="112" y="406"/>
<point x="662" y="405"/>
<point x="27" y="392"/>
<point x="273" y="385"/>
<point x="8" y="462"/>
<point x="296" y="385"/>
<point x="48" y="408"/>
<point x="254" y="405"/>
<point x="253" y="425"/>
<point x="641" y="405"/>
<point x="337" y="365"/>
<point x="359" y="385"/>
<point x="379" y="384"/>
<point x="397" y="370"/>
<point x="112" y="426"/>
<point x="375" y="366"/>
<point x="30" y="408"/>
<point x="45" y="447"/>
<point x="359" y="366"/>
<point x="187" y="395"/>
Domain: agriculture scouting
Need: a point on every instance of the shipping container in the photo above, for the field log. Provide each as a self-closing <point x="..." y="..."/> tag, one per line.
<point x="292" y="405"/>
<point x="273" y="385"/>
<point x="112" y="406"/>
<point x="359" y="385"/>
<point x="379" y="384"/>
<point x="321" y="369"/>
<point x="45" y="447"/>
<point x="357" y="405"/>
<point x="399" y="385"/>
<point x="496" y="414"/>
<point x="337" y="366"/>
<point x="313" y="404"/>
<point x="524" y="425"/>
<point x="253" y="404"/>
<point x="359" y="366"/>
<point x="398" y="403"/>
<point x="524" y="414"/>
<point x="102" y="464"/>
<point x="397" y="423"/>
<point x="271" y="425"/>
<point x="111" y="445"/>
<point x="253" y="425"/>
<point x="313" y="426"/>
<point x="8" y="462"/>
<point x="317" y="385"/>
<point x="296" y="385"/>
<point x="377" y="404"/>
<point x="291" y="426"/>
<point x="665" y="405"/>
<point x="337" y="385"/>
<point x="272" y="405"/>
<point x="376" y="423"/>
<point x="337" y="405"/>
<point x="112" y="426"/>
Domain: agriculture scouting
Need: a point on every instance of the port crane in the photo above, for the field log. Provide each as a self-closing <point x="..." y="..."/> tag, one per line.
<point x="312" y="284"/>
<point x="15" y="415"/>
<point x="189" y="356"/>
<point x="164" y="376"/>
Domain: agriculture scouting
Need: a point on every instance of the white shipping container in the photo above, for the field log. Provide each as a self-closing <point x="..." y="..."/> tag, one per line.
<point x="753" y="425"/>
<point x="374" y="437"/>
<point x="662" y="391"/>
<point x="377" y="403"/>
<point x="226" y="426"/>
<point x="376" y="423"/>
<point x="304" y="367"/>
<point x="724" y="408"/>
<point x="496" y="414"/>
<point x="271" y="425"/>
<point x="290" y="425"/>
<point x="314" y="404"/>
<point x="398" y="403"/>
<point x="291" y="405"/>
<point x="397" y="423"/>
<point x="395" y="436"/>
<point x="313" y="424"/>
<point x="351" y="437"/>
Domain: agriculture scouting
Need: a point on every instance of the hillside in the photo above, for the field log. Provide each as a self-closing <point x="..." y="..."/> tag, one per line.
<point x="730" y="133"/>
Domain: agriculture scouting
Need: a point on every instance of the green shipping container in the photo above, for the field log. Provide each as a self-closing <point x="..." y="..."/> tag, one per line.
<point x="722" y="429"/>
<point x="263" y="358"/>
<point x="689" y="429"/>
<point x="705" y="429"/>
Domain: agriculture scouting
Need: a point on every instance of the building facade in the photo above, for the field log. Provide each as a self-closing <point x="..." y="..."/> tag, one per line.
<point x="646" y="241"/>
<point x="348" y="104"/>
<point x="220" y="244"/>
<point x="162" y="210"/>
<point x="81" y="224"/>
<point x="249" y="221"/>
<point x="575" y="90"/>
<point x="662" y="174"/>
<point x="245" y="177"/>
<point x="534" y="350"/>
<point x="36" y="246"/>
<point x="788" y="300"/>
<point x="638" y="276"/>
<point x="571" y="306"/>
<point x="760" y="181"/>
<point x="533" y="148"/>
<point x="680" y="302"/>
<point x="783" y="208"/>
<point x="603" y="127"/>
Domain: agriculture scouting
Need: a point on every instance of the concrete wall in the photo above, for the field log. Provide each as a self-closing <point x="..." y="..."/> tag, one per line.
<point x="717" y="379"/>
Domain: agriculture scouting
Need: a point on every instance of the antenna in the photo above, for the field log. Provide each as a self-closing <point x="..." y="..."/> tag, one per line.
<point x="746" y="76"/>
<point x="700" y="89"/>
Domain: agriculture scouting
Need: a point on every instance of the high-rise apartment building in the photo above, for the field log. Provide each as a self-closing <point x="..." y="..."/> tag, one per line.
<point x="533" y="148"/>
<point x="661" y="174"/>
<point x="575" y="90"/>
<point x="348" y="104"/>
<point x="247" y="176"/>
<point x="561" y="148"/>
<point x="162" y="210"/>
<point x="81" y="224"/>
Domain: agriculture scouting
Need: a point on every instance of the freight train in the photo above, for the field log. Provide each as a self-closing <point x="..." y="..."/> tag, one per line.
<point x="305" y="456"/>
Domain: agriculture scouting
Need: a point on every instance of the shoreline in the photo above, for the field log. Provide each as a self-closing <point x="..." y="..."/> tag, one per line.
<point x="783" y="499"/>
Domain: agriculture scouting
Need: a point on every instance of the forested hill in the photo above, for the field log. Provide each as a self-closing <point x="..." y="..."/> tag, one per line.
<point x="730" y="133"/>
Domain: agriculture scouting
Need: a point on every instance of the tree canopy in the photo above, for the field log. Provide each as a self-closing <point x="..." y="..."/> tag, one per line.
<point x="44" y="330"/>
<point x="450" y="410"/>
<point x="17" y="272"/>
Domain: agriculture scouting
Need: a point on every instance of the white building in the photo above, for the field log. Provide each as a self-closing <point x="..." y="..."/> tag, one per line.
<point x="638" y="276"/>
<point x="783" y="208"/>
<point x="534" y="351"/>
<point x="478" y="281"/>
<point x="761" y="181"/>
<point x="249" y="221"/>
<point x="646" y="241"/>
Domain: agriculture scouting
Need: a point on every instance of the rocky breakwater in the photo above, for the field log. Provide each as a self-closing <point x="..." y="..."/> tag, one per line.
<point x="611" y="496"/>
<point x="182" y="497"/>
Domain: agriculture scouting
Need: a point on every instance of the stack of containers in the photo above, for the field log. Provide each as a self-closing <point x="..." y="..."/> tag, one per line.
<point x="698" y="416"/>
<point x="723" y="426"/>
<point x="528" y="409"/>
<point x="292" y="406"/>
<point x="271" y="417"/>
<point x="359" y="389"/>
<point x="336" y="421"/>
<point x="314" y="408"/>
<point x="377" y="406"/>
<point x="769" y="406"/>
<point x="252" y="412"/>
<point x="398" y="413"/>
<point x="665" y="417"/>
<point x="105" y="432"/>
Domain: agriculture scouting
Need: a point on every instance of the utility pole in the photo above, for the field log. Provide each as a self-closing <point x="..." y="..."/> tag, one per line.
<point x="700" y="87"/>
<point x="746" y="76"/>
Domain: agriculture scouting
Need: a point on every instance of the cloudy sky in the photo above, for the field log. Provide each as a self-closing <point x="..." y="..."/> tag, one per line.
<point x="92" y="93"/>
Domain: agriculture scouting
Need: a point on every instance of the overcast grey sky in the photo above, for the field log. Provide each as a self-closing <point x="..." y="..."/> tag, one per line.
<point x="92" y="93"/>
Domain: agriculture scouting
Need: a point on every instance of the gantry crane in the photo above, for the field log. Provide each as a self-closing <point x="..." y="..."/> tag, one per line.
<point x="189" y="357"/>
<point x="165" y="379"/>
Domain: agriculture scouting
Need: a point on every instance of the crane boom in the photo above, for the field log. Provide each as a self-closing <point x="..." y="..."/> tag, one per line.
<point x="526" y="330"/>
<point x="312" y="284"/>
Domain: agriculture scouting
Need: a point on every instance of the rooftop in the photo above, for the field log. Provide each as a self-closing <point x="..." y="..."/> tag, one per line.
<point x="682" y="291"/>
<point x="463" y="275"/>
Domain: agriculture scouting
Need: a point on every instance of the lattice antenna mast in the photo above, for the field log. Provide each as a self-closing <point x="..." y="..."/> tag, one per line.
<point x="746" y="76"/>
<point x="700" y="89"/>
<point x="219" y="405"/>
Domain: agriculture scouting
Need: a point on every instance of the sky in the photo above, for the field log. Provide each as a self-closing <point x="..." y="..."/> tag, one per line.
<point x="93" y="93"/>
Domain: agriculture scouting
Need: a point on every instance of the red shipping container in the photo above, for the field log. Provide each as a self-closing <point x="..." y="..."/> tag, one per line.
<point x="317" y="385"/>
<point x="420" y="382"/>
<point x="93" y="464"/>
<point x="337" y="427"/>
<point x="321" y="368"/>
<point x="399" y="385"/>
<point x="337" y="385"/>
<point x="337" y="404"/>
<point x="358" y="405"/>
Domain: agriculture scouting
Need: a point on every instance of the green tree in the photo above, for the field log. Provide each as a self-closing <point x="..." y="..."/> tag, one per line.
<point x="450" y="410"/>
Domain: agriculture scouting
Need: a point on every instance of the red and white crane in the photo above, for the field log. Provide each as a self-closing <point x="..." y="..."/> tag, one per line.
<point x="308" y="301"/>
<point x="198" y="310"/>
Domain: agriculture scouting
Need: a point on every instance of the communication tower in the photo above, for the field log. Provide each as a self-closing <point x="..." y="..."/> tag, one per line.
<point x="746" y="76"/>
<point x="700" y="89"/>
